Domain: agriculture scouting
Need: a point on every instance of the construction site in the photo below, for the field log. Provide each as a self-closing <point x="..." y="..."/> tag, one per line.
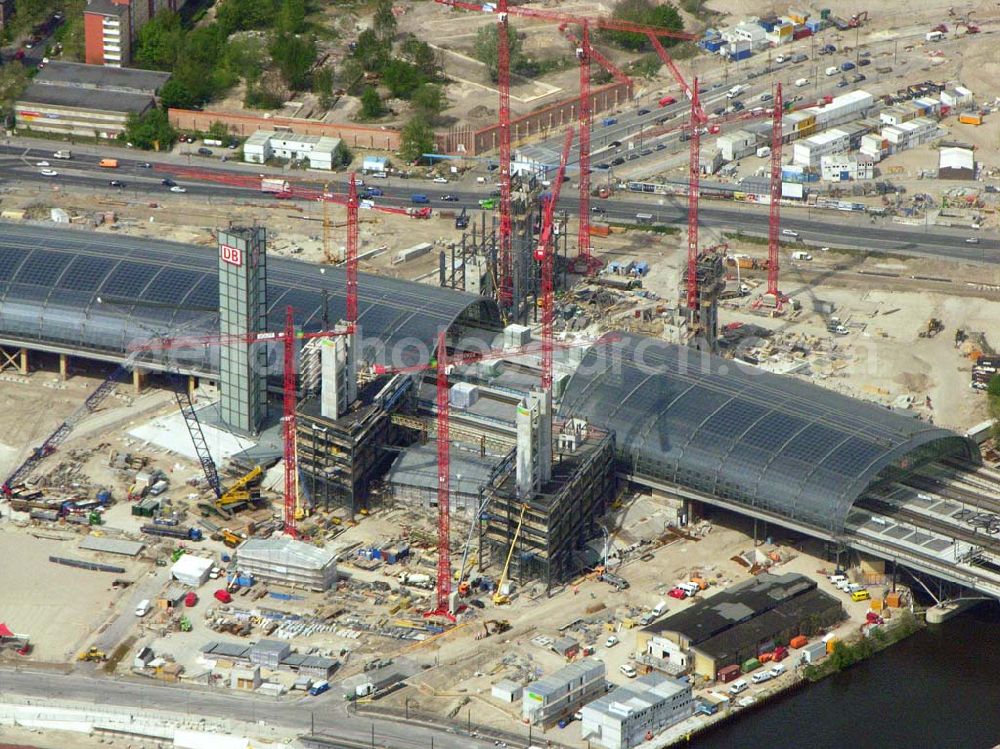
<point x="494" y="478"/>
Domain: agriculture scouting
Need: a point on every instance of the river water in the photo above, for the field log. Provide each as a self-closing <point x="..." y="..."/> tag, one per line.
<point x="939" y="688"/>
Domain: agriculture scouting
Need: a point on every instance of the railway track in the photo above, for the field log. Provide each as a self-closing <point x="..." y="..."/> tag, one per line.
<point x="947" y="490"/>
<point x="986" y="541"/>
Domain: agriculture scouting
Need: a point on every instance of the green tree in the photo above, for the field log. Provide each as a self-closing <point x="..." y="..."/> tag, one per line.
<point x="160" y="41"/>
<point x="291" y="16"/>
<point x="266" y="93"/>
<point x="175" y="94"/>
<point x="371" y="52"/>
<point x="371" y="104"/>
<point x="351" y="76"/>
<point x="487" y="47"/>
<point x="416" y="139"/>
<point x="151" y="130"/>
<point x="245" y="57"/>
<point x="294" y="56"/>
<point x="401" y="78"/>
<point x="384" y="22"/>
<point x="429" y="100"/>
<point x="14" y="78"/>
<point x="647" y="13"/>
<point x="240" y="15"/>
<point x="322" y="85"/>
<point x="219" y="131"/>
<point x="422" y="55"/>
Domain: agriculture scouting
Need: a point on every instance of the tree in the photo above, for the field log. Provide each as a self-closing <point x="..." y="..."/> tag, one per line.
<point x="371" y="104"/>
<point x="384" y="21"/>
<point x="322" y="84"/>
<point x="646" y="13"/>
<point x="294" y="56"/>
<point x="401" y="78"/>
<point x="370" y="51"/>
<point x="175" y="94"/>
<point x="160" y="41"/>
<point x="422" y="55"/>
<point x="351" y="75"/>
<point x="219" y="131"/>
<point x="429" y="100"/>
<point x="416" y="139"/>
<point x="487" y="46"/>
<point x="291" y="16"/>
<point x="266" y="93"/>
<point x="239" y="15"/>
<point x="151" y="130"/>
<point x="14" y="78"/>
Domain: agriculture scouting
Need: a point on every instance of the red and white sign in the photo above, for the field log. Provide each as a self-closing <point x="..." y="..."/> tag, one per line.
<point x="230" y="255"/>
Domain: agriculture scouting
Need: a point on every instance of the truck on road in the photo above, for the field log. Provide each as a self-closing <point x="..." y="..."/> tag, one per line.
<point x="272" y="185"/>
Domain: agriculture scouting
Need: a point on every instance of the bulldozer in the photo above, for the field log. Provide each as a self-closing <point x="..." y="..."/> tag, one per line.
<point x="229" y="538"/>
<point x="94" y="655"/>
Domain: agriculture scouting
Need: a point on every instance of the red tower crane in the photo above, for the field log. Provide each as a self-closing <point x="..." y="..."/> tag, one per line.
<point x="506" y="258"/>
<point x="444" y="486"/>
<point x="583" y="256"/>
<point x="545" y="254"/>
<point x="774" y="223"/>
<point x="694" y="188"/>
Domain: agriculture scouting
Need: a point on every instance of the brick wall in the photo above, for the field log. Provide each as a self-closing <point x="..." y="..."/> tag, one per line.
<point x="243" y="125"/>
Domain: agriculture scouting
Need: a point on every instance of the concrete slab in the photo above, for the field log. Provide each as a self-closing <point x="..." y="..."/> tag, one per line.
<point x="170" y="432"/>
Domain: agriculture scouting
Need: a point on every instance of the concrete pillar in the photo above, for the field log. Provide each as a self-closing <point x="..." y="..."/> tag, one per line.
<point x="526" y="457"/>
<point x="544" y="436"/>
<point x="63" y="367"/>
<point x="192" y="385"/>
<point x="23" y="369"/>
<point x="138" y="379"/>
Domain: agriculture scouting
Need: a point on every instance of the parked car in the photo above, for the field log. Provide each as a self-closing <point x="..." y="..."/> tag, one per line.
<point x="677" y="593"/>
<point x="777" y="670"/>
<point x="190" y="599"/>
<point x="761" y="676"/>
<point x="611" y="641"/>
<point x="629" y="670"/>
<point x="54" y="173"/>
<point x="642" y="111"/>
<point x="441" y="180"/>
<point x="858" y="78"/>
<point x="450" y="198"/>
<point x="167" y="182"/>
<point x="178" y="188"/>
<point x="204" y="151"/>
<point x="223" y="596"/>
<point x="116" y="183"/>
<point x="618" y="161"/>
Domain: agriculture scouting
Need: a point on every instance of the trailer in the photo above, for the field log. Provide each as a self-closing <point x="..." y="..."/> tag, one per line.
<point x="187" y="534"/>
<point x="271" y="185"/>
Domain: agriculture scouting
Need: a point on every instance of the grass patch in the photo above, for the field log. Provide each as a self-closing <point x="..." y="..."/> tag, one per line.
<point x="119" y="653"/>
<point x="654" y="228"/>
<point x="846" y="654"/>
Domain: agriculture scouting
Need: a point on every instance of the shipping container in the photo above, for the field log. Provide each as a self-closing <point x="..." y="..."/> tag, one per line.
<point x="970" y="119"/>
<point x="728" y="673"/>
<point x="750" y="665"/>
<point x="741" y="55"/>
<point x="600" y="230"/>
<point x="799" y="642"/>
<point x="802" y="33"/>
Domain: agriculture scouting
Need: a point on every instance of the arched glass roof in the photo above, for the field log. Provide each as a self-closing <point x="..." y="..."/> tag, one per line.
<point x="98" y="292"/>
<point x="771" y="442"/>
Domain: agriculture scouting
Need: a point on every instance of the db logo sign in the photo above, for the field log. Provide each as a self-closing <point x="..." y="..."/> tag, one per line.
<point x="230" y="255"/>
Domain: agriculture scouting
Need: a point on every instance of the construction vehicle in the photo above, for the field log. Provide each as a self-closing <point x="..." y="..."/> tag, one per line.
<point x="238" y="496"/>
<point x="462" y="220"/>
<point x="230" y="539"/>
<point x="500" y="598"/>
<point x="933" y="327"/>
<point x="187" y="534"/>
<point x="93" y="655"/>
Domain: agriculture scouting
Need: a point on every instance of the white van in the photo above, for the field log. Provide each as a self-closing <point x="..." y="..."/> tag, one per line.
<point x="789" y="233"/>
<point x="659" y="608"/>
<point x="832" y="70"/>
<point x="799" y="255"/>
<point x="629" y="670"/>
<point x="777" y="670"/>
<point x="802" y="82"/>
<point x="738" y="686"/>
<point x="735" y="91"/>
<point x="142" y="608"/>
<point x="690" y="588"/>
<point x="761" y="676"/>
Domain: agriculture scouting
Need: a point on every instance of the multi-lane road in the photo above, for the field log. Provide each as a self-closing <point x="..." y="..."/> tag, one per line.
<point x="327" y="714"/>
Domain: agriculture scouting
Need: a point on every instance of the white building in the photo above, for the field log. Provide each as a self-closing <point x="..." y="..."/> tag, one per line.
<point x="843" y="108"/>
<point x="747" y="32"/>
<point x="191" y="570"/>
<point x="910" y="134"/>
<point x="321" y="151"/>
<point x="874" y="146"/>
<point x="375" y="164"/>
<point x="283" y="560"/>
<point x="841" y="168"/>
<point x="563" y="693"/>
<point x="809" y="151"/>
<point x="958" y="97"/>
<point x="899" y="113"/>
<point x="736" y="145"/>
<point x="630" y="715"/>
<point x="956" y="163"/>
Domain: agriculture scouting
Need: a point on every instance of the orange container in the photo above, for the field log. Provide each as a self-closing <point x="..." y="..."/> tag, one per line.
<point x="600" y="230"/>
<point x="799" y="642"/>
<point x="893" y="600"/>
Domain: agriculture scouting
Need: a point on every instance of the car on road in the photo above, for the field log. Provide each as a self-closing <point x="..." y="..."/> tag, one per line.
<point x="789" y="233"/>
<point x="766" y="97"/>
<point x="204" y="151"/>
<point x="372" y="192"/>
<point x="647" y="151"/>
<point x="864" y="62"/>
<point x="116" y="183"/>
<point x="603" y="165"/>
<point x="50" y="173"/>
<point x="671" y="100"/>
<point x="441" y="180"/>
<point x="611" y="641"/>
<point x="633" y="155"/>
<point x="43" y="163"/>
<point x="167" y="182"/>
<point x="615" y="144"/>
<point x="841" y="83"/>
<point x="144" y="165"/>
<point x="969" y="240"/>
<point x="450" y="198"/>
<point x="618" y="161"/>
<point x="596" y="209"/>
<point x="858" y="78"/>
<point x="660" y="146"/>
<point x="177" y="188"/>
<point x="642" y="112"/>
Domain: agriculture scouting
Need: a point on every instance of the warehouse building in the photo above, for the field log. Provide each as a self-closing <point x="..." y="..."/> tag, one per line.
<point x="321" y="151"/>
<point x="956" y="163"/>
<point x="90" y="101"/>
<point x="632" y="714"/>
<point x="745" y="620"/>
<point x="558" y="696"/>
<point x="288" y="562"/>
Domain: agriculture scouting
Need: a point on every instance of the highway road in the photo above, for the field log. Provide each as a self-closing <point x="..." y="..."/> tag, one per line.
<point x="816" y="227"/>
<point x="327" y="714"/>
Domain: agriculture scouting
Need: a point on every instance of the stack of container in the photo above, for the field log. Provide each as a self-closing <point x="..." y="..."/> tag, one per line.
<point x="985" y="368"/>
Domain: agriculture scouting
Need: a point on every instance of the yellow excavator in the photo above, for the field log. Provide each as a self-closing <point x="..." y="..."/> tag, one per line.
<point x="242" y="493"/>
<point x="98" y="656"/>
<point x="500" y="598"/>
